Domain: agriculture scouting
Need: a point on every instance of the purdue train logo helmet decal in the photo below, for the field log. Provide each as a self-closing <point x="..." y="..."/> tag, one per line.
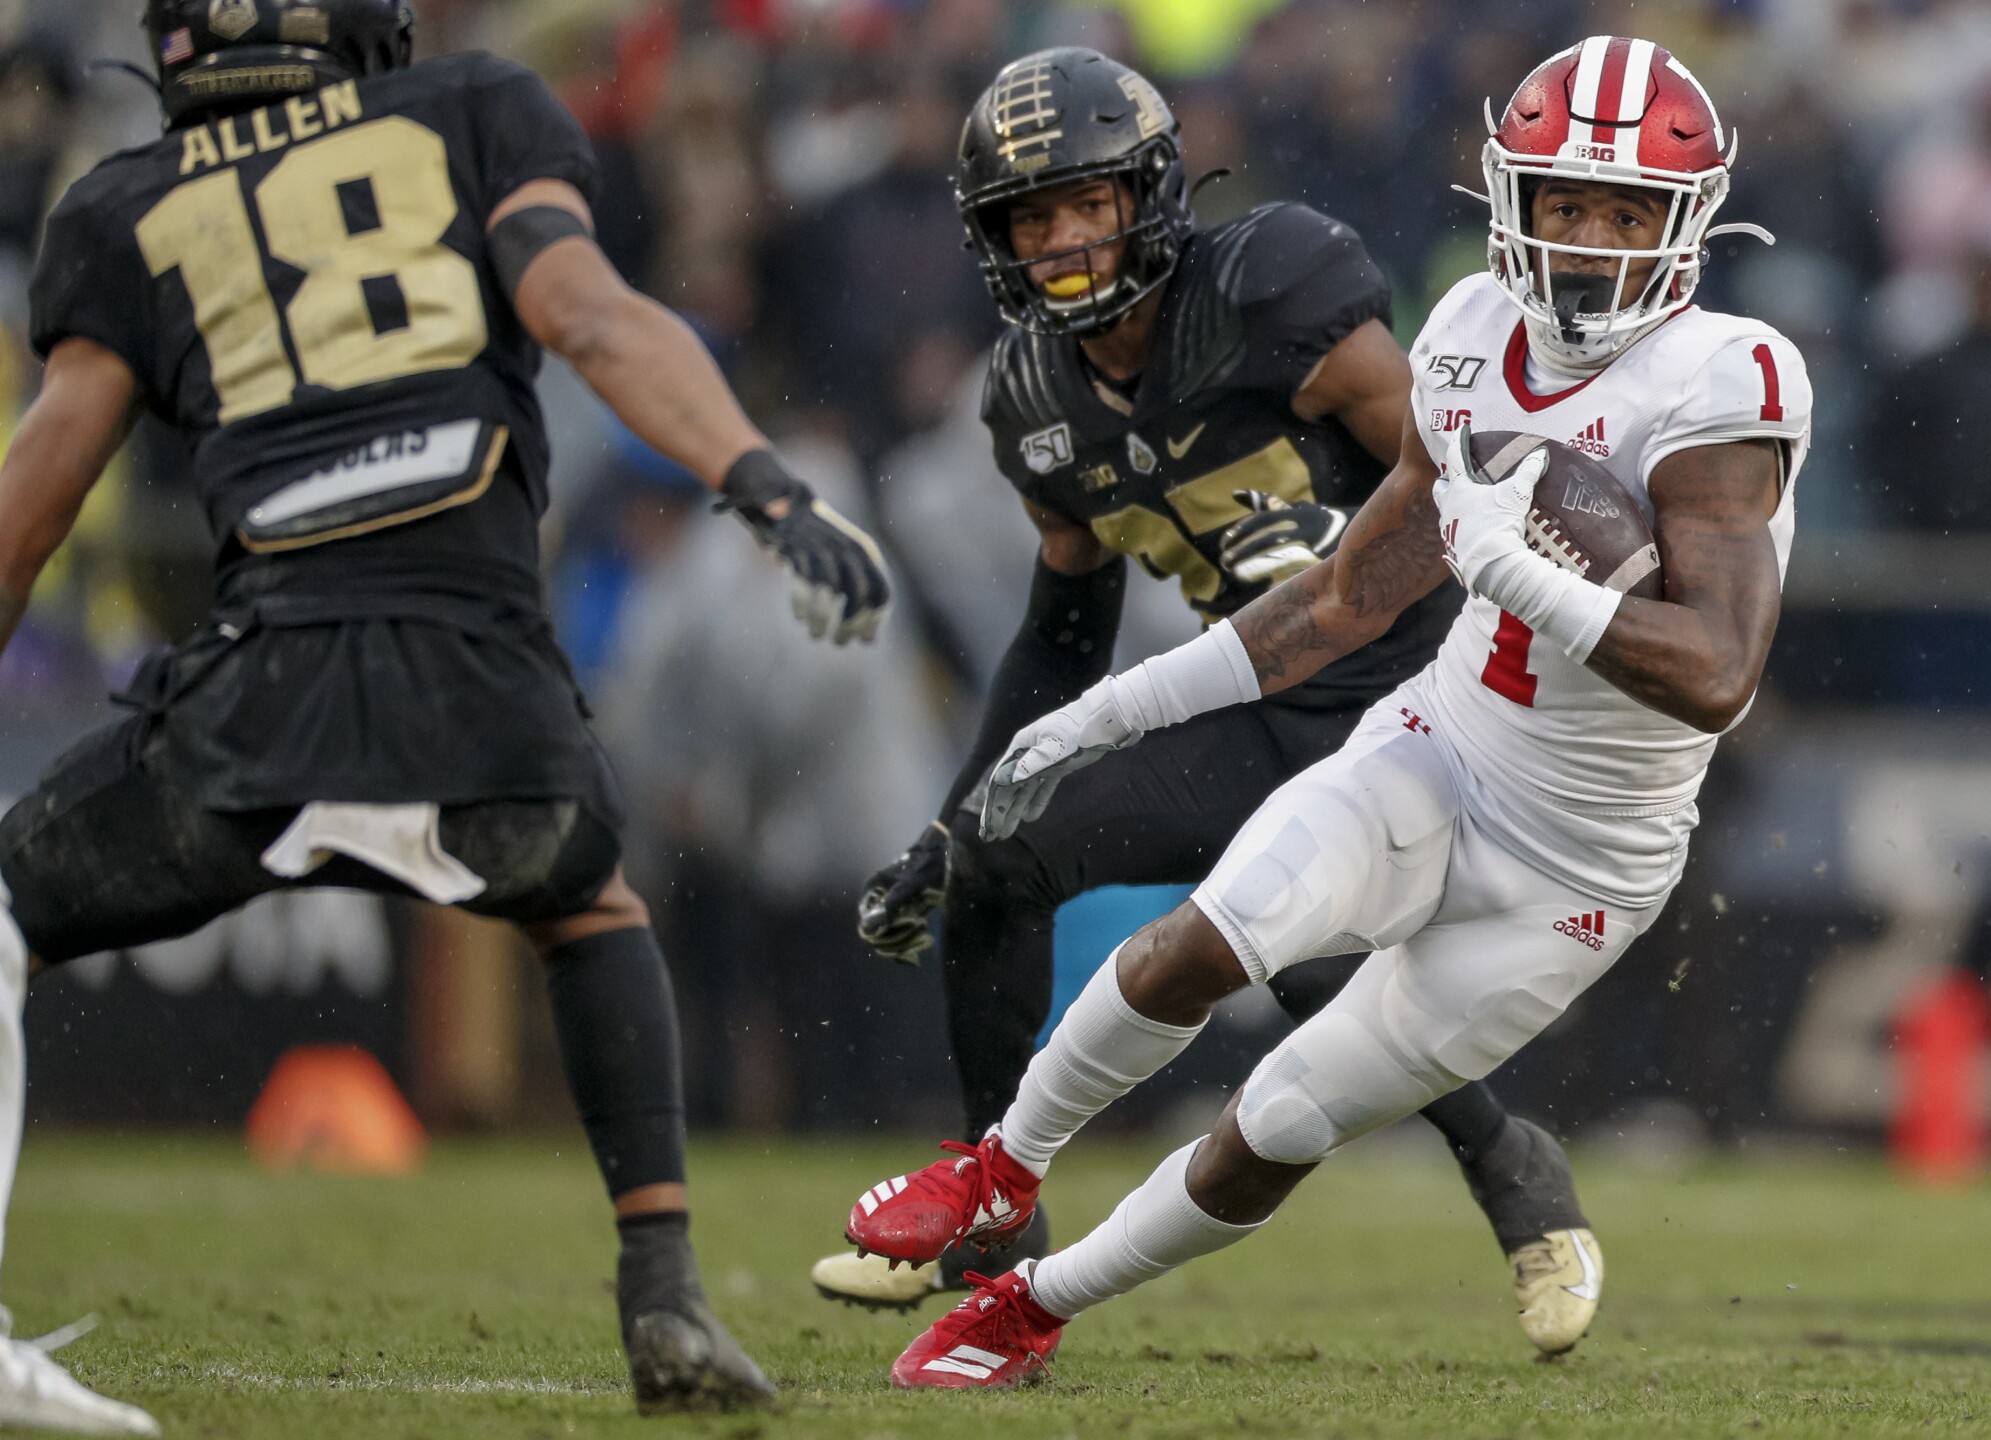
<point x="1026" y="113"/>
<point x="1051" y="119"/>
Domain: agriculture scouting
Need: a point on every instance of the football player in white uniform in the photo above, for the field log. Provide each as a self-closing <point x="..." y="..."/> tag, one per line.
<point x="1500" y="828"/>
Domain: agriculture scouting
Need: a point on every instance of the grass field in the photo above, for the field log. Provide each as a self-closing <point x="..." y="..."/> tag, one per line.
<point x="1778" y="1299"/>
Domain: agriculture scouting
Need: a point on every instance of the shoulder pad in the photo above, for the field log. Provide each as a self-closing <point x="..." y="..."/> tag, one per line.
<point x="1743" y="381"/>
<point x="1019" y="392"/>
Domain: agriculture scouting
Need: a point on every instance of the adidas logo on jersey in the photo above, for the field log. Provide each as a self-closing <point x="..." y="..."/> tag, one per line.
<point x="1592" y="441"/>
<point x="1587" y="928"/>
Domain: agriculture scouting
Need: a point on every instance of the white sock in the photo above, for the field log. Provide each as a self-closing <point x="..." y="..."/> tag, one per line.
<point x="1156" y="1229"/>
<point x="1100" y="1050"/>
<point x="13" y="1051"/>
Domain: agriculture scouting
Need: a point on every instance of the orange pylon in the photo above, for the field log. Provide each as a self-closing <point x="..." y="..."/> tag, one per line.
<point x="1940" y="1041"/>
<point x="334" y="1108"/>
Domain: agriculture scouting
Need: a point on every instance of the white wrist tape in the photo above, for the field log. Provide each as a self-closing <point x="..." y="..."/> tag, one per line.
<point x="1208" y="673"/>
<point x="1549" y="600"/>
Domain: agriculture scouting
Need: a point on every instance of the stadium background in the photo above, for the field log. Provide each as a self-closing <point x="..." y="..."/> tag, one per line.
<point x="777" y="170"/>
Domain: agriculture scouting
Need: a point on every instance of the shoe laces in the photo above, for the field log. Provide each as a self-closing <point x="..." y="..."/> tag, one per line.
<point x="66" y="1335"/>
<point x="984" y="1181"/>
<point x="1007" y="1310"/>
<point x="1535" y="1260"/>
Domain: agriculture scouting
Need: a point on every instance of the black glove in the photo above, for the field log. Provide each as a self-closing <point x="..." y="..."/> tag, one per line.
<point x="891" y="916"/>
<point x="835" y="563"/>
<point x="1279" y="539"/>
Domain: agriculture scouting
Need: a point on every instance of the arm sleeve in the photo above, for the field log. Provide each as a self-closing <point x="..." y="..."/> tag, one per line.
<point x="1065" y="645"/>
<point x="1308" y="283"/>
<point x="1753" y="388"/>
<point x="525" y="133"/>
<point x="76" y="290"/>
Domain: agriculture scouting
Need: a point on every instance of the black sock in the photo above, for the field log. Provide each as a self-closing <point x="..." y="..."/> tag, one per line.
<point x="1470" y="1119"/>
<point x="618" y="1030"/>
<point x="656" y="1266"/>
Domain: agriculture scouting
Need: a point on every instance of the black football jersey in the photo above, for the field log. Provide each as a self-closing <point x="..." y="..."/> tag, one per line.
<point x="304" y="291"/>
<point x="1253" y="306"/>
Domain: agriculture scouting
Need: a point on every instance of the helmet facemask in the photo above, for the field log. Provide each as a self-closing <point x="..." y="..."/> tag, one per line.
<point x="1582" y="320"/>
<point x="1151" y="236"/>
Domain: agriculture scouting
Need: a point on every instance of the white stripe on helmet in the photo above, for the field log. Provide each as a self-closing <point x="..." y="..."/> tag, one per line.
<point x="1631" y="100"/>
<point x="1673" y="64"/>
<point x="1583" y="94"/>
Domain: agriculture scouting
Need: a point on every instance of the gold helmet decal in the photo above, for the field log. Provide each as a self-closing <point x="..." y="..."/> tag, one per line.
<point x="231" y="19"/>
<point x="1025" y="117"/>
<point x="1150" y="110"/>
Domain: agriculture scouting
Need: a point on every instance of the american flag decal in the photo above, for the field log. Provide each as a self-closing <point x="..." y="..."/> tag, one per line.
<point x="177" y="47"/>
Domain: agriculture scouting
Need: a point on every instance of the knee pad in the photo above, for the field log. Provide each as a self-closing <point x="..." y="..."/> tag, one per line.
<point x="1326" y="1084"/>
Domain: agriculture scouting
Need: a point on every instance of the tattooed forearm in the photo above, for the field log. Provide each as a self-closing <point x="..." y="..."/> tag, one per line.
<point x="1279" y="631"/>
<point x="1390" y="558"/>
<point x="1393" y="568"/>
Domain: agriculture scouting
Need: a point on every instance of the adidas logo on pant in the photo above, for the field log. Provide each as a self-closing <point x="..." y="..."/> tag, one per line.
<point x="1588" y="928"/>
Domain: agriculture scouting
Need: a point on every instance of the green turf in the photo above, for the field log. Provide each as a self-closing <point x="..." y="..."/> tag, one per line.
<point x="1779" y="1298"/>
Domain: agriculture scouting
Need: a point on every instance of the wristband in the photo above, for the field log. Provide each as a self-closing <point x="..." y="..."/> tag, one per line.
<point x="757" y="479"/>
<point x="1549" y="600"/>
<point x="1208" y="673"/>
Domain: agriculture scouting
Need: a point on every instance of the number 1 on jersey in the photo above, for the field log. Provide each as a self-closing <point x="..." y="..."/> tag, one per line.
<point x="1506" y="671"/>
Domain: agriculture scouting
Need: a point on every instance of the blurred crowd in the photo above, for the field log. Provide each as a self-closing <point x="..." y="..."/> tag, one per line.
<point x="778" y="171"/>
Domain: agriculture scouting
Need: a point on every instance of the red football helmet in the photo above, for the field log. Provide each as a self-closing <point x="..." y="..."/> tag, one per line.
<point x="1620" y="112"/>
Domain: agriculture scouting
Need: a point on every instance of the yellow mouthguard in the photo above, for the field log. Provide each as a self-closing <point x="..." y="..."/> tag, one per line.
<point x="1068" y="287"/>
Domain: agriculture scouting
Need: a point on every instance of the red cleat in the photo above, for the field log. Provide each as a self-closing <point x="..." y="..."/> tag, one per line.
<point x="995" y="1339"/>
<point x="984" y="1196"/>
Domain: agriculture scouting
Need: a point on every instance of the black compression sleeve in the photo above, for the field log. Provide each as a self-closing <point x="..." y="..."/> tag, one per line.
<point x="1065" y="644"/>
<point x="517" y="240"/>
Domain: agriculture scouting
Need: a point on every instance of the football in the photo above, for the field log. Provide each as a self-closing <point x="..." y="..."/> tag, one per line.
<point x="1582" y="518"/>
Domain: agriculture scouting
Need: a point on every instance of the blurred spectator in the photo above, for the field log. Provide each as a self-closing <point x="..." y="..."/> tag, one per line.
<point x="1932" y="428"/>
<point x="879" y="269"/>
<point x="767" y="774"/>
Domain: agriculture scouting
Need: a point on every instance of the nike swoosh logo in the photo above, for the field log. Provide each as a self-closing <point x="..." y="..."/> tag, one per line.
<point x="1178" y="448"/>
<point x="1593" y="1283"/>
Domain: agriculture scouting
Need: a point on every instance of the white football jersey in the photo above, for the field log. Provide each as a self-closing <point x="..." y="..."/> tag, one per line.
<point x="1530" y="723"/>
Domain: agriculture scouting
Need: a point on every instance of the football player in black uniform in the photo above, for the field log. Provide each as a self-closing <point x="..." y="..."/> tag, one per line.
<point x="333" y="275"/>
<point x="1215" y="404"/>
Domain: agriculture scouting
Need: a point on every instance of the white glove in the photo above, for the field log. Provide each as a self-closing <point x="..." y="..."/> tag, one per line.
<point x="1484" y="525"/>
<point x="1045" y="751"/>
<point x="1480" y="518"/>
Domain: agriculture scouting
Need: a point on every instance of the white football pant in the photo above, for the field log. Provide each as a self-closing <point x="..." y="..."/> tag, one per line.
<point x="13" y="1053"/>
<point x="1476" y="951"/>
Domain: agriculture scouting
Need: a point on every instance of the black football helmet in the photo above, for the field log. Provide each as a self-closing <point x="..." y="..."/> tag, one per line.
<point x="1052" y="118"/>
<point x="221" y="55"/>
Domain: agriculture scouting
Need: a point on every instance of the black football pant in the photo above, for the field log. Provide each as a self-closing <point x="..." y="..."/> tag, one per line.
<point x="114" y="849"/>
<point x="1160" y="813"/>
